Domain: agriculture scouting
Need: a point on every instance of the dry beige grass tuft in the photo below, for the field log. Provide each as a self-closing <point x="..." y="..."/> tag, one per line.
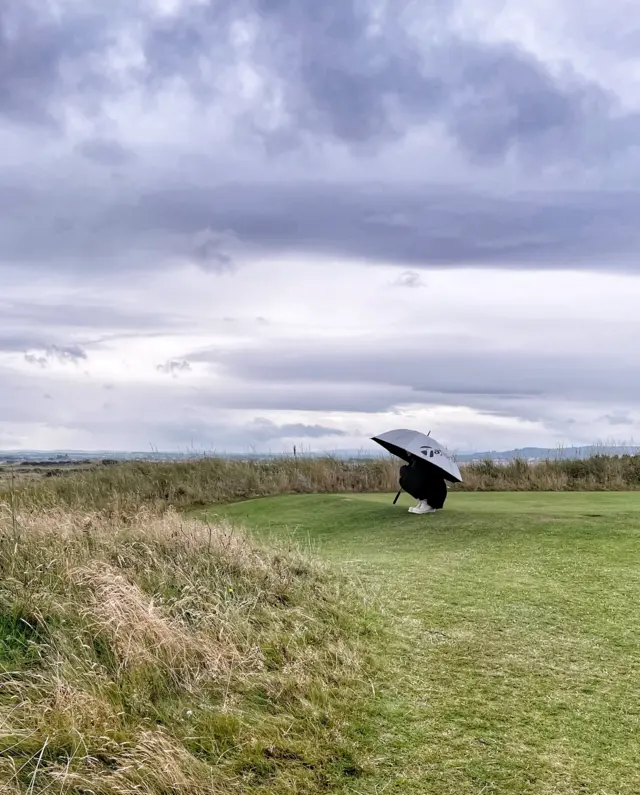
<point x="159" y="654"/>
<point x="141" y="632"/>
<point x="153" y="763"/>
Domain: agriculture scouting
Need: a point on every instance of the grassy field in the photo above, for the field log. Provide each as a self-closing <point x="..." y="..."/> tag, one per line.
<point x="514" y="666"/>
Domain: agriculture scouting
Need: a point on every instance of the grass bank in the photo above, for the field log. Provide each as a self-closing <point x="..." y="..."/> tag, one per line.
<point x="163" y="655"/>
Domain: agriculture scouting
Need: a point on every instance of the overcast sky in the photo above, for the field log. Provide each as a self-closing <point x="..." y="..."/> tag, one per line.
<point x="248" y="224"/>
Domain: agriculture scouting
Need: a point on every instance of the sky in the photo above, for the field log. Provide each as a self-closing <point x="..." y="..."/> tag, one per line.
<point x="244" y="225"/>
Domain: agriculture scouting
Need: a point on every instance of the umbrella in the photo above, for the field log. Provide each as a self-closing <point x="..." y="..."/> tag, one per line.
<point x="405" y="444"/>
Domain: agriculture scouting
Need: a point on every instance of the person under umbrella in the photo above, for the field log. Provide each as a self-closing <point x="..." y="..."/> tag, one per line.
<point x="423" y="484"/>
<point x="428" y="466"/>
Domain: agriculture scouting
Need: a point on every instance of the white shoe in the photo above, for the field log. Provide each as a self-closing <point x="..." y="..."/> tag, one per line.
<point x="422" y="507"/>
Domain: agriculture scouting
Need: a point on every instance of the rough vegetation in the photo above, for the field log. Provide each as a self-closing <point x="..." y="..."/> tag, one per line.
<point x="597" y="473"/>
<point x="125" y="488"/>
<point x="163" y="655"/>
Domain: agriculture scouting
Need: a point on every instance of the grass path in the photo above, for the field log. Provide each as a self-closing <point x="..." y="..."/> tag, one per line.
<point x="516" y="667"/>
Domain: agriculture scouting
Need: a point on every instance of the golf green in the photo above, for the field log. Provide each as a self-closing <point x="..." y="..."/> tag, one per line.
<point x="515" y="666"/>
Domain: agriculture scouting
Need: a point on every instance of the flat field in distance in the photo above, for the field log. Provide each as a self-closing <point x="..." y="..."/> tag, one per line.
<point x="515" y="664"/>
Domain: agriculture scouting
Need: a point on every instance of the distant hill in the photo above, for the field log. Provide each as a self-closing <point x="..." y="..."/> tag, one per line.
<point x="62" y="457"/>
<point x="543" y="453"/>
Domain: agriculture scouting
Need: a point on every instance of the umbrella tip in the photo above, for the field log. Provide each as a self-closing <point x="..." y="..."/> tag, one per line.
<point x="429" y="434"/>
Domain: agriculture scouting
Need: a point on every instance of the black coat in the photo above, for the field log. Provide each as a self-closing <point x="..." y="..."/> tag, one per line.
<point x="423" y="482"/>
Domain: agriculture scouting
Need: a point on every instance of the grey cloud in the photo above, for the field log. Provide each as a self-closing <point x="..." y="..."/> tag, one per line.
<point x="38" y="44"/>
<point x="32" y="358"/>
<point x="211" y="250"/>
<point x="432" y="373"/>
<point x="165" y="418"/>
<point x="619" y="419"/>
<point x="143" y="416"/>
<point x="67" y="354"/>
<point x="341" y="79"/>
<point x="76" y="406"/>
<point x="259" y="396"/>
<point x="174" y="367"/>
<point x="17" y="342"/>
<point x="352" y="70"/>
<point x="596" y="229"/>
<point x="255" y="397"/>
<point x="105" y="153"/>
<point x="409" y="279"/>
<point x="212" y="437"/>
<point x="79" y="315"/>
<point x="315" y="163"/>
<point x="345" y="69"/>
<point x="263" y="430"/>
<point x="215" y="437"/>
<point x="503" y="98"/>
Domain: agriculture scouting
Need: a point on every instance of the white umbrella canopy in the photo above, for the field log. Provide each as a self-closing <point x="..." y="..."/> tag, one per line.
<point x="405" y="443"/>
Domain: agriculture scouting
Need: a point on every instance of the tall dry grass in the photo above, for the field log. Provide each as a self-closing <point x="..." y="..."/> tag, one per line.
<point x="597" y="473"/>
<point x="161" y="655"/>
<point x="124" y="489"/>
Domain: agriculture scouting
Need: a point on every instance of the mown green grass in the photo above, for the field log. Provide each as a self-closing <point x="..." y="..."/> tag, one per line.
<point x="515" y="661"/>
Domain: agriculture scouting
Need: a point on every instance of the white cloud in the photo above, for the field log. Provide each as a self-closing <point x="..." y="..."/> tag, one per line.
<point x="343" y="312"/>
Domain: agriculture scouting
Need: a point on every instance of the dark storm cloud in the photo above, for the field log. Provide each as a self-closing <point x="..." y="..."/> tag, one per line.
<point x="593" y="230"/>
<point x="346" y="69"/>
<point x="352" y="71"/>
<point x="440" y="227"/>
<point x="39" y="48"/>
<point x="428" y="373"/>
<point x="359" y="73"/>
